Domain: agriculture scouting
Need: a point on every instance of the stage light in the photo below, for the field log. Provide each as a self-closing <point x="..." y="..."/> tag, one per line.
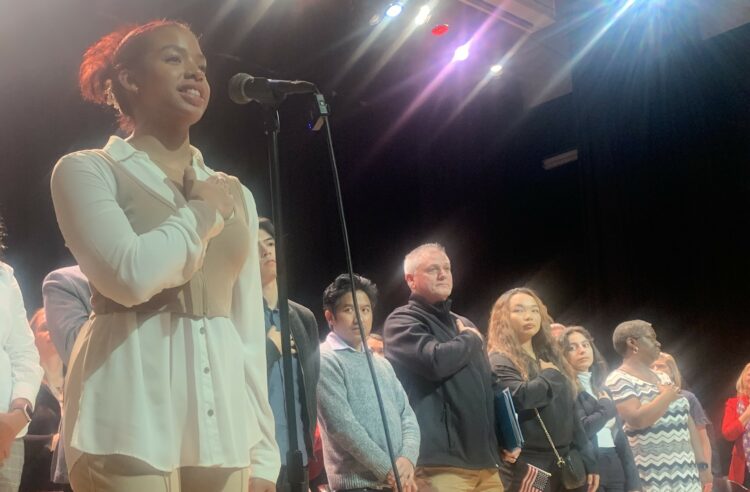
<point x="440" y="29"/>
<point x="394" y="9"/>
<point x="496" y="69"/>
<point x="461" y="53"/>
<point x="423" y="15"/>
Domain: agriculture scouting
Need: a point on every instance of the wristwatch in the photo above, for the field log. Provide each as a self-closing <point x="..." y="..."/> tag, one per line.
<point x="27" y="412"/>
<point x="702" y="466"/>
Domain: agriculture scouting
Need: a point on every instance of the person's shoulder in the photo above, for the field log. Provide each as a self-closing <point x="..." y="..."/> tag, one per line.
<point x="732" y="401"/>
<point x="386" y="366"/>
<point x="69" y="273"/>
<point x="623" y="386"/>
<point x="401" y="316"/>
<point x="617" y="376"/>
<point x="327" y="351"/>
<point x="8" y="280"/>
<point x="689" y="395"/>
<point x="301" y="309"/>
<point x="333" y="360"/>
<point x="82" y="156"/>
<point x="408" y="313"/>
<point x="382" y="362"/>
<point x="696" y="409"/>
<point x="6" y="274"/>
<point x="500" y="359"/>
<point x="86" y="162"/>
<point x="502" y="364"/>
<point x="406" y="309"/>
<point x="328" y="358"/>
<point x="306" y="319"/>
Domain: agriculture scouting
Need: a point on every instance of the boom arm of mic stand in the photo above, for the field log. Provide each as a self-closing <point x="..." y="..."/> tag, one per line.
<point x="350" y="271"/>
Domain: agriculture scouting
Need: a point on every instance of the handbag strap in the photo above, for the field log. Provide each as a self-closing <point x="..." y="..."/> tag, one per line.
<point x="560" y="459"/>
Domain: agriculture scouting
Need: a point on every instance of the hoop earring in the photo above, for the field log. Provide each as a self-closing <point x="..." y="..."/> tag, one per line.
<point x="635" y="350"/>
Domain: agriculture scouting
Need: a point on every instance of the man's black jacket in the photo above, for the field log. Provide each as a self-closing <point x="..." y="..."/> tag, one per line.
<point x="447" y="377"/>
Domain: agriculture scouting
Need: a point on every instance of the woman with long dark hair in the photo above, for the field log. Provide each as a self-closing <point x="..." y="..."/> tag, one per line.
<point x="598" y="414"/>
<point x="166" y="386"/>
<point x="526" y="360"/>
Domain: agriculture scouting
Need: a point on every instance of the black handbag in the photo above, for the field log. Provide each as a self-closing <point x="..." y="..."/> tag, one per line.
<point x="572" y="470"/>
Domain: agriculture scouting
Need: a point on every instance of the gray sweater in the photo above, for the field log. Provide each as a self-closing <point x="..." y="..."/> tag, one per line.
<point x="354" y="445"/>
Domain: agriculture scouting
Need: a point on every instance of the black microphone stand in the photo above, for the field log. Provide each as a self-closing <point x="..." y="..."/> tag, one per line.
<point x="295" y="475"/>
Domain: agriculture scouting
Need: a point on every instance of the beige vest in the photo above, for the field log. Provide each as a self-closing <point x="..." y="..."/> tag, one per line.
<point x="209" y="291"/>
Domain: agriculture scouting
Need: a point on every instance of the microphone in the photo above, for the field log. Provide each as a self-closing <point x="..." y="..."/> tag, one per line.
<point x="244" y="88"/>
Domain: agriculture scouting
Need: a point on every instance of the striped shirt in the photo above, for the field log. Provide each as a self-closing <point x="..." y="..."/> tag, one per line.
<point x="662" y="452"/>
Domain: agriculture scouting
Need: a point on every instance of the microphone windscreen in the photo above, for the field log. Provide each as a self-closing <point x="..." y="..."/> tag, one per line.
<point x="237" y="88"/>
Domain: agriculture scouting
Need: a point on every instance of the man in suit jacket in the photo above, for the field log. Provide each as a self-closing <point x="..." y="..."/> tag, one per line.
<point x="67" y="306"/>
<point x="305" y="359"/>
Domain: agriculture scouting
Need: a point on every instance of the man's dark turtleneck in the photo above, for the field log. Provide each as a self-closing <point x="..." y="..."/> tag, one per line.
<point x="443" y="307"/>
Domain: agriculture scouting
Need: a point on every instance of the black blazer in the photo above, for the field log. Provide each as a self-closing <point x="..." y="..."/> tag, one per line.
<point x="594" y="414"/>
<point x="304" y="329"/>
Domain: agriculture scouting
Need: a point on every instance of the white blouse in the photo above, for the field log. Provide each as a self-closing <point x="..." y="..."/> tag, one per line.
<point x="172" y="390"/>
<point x="20" y="372"/>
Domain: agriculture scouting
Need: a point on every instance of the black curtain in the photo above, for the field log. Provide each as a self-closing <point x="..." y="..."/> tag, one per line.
<point x="662" y="123"/>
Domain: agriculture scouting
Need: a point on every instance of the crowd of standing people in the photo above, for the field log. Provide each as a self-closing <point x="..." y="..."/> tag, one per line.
<point x="167" y="337"/>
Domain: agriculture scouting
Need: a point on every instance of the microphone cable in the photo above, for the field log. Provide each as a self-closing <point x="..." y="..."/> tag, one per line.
<point x="350" y="272"/>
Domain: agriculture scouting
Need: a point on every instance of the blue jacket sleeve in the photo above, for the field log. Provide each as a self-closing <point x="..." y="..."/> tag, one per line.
<point x="67" y="307"/>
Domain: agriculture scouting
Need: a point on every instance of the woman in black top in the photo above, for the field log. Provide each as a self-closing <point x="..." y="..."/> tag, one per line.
<point x="598" y="413"/>
<point x="525" y="359"/>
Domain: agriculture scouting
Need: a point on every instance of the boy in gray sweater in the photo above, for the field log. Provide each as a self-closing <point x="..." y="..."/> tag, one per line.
<point x="354" y="445"/>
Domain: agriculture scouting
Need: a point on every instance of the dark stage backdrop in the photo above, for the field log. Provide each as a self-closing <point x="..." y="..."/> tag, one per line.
<point x="648" y="223"/>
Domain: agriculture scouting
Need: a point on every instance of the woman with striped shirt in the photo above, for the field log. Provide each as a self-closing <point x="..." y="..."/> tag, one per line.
<point x="656" y="417"/>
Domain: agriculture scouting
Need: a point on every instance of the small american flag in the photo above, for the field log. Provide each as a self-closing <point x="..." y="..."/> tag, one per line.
<point x="535" y="480"/>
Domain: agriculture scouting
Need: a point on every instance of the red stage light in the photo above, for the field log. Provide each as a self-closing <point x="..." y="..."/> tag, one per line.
<point x="440" y="29"/>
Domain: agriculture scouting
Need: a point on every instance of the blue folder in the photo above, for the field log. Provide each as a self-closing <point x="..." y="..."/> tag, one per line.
<point x="508" y="430"/>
